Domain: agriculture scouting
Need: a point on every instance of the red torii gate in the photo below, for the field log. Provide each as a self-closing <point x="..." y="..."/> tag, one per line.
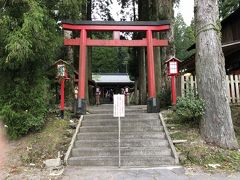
<point x="144" y="26"/>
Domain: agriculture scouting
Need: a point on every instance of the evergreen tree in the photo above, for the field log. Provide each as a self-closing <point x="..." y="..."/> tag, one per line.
<point x="216" y="126"/>
<point x="30" y="43"/>
<point x="227" y="7"/>
<point x="183" y="37"/>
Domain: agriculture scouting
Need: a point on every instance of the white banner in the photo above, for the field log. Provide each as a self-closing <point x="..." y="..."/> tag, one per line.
<point x="118" y="105"/>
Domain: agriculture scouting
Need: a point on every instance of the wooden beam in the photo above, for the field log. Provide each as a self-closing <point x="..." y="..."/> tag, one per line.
<point x="72" y="42"/>
<point x="128" y="43"/>
<point x="116" y="28"/>
<point x="93" y="42"/>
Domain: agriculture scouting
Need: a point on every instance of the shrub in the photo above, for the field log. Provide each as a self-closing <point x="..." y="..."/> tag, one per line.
<point x="190" y="107"/>
<point x="25" y="109"/>
<point x="165" y="98"/>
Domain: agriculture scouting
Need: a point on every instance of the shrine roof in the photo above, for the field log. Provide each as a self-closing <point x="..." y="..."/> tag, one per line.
<point x="111" y="78"/>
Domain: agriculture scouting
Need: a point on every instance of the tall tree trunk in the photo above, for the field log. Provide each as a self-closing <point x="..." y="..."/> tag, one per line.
<point x="89" y="53"/>
<point x="157" y="55"/>
<point x="142" y="77"/>
<point x="165" y="11"/>
<point x="143" y="16"/>
<point x="69" y="88"/>
<point x="216" y="125"/>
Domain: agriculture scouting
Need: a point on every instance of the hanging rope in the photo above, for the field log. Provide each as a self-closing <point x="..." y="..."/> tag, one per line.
<point x="216" y="27"/>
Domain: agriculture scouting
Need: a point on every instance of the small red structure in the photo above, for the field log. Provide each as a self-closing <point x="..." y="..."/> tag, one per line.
<point x="62" y="75"/>
<point x="172" y="71"/>
<point x="147" y="27"/>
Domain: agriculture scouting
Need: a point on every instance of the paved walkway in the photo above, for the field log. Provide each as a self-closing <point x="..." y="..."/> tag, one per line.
<point x="76" y="173"/>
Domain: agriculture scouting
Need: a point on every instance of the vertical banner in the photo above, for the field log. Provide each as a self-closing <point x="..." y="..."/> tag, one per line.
<point x="118" y="105"/>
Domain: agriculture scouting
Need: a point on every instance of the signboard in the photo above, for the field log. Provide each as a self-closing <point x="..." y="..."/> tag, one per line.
<point x="118" y="105"/>
<point x="116" y="35"/>
<point x="173" y="67"/>
<point x="61" y="70"/>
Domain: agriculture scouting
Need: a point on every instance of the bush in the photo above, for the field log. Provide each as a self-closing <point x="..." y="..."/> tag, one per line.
<point x="190" y="108"/>
<point x="165" y="98"/>
<point x="25" y="109"/>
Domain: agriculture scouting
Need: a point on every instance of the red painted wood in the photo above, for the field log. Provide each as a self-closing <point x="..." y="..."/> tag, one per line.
<point x="116" y="28"/>
<point x="95" y="42"/>
<point x="174" y="96"/>
<point x="160" y="42"/>
<point x="150" y="63"/>
<point x="72" y="42"/>
<point x="62" y="94"/>
<point x="82" y="64"/>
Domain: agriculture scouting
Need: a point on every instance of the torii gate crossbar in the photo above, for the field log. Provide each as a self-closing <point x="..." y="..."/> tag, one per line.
<point x="141" y="26"/>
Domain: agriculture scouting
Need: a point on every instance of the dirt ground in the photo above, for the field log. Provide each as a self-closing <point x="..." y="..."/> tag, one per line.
<point x="195" y="152"/>
<point x="23" y="158"/>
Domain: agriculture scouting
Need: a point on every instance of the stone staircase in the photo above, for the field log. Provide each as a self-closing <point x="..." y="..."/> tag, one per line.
<point x="143" y="140"/>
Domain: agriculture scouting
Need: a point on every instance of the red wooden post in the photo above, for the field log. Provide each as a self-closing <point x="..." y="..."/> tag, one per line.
<point x="174" y="96"/>
<point x="62" y="98"/>
<point x="82" y="72"/>
<point x="152" y="106"/>
<point x="150" y="63"/>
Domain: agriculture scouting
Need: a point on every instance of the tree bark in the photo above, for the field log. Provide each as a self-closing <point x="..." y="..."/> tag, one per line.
<point x="142" y="77"/>
<point x="143" y="15"/>
<point x="216" y="125"/>
<point x="89" y="54"/>
<point x="157" y="55"/>
<point x="69" y="88"/>
<point x="165" y="11"/>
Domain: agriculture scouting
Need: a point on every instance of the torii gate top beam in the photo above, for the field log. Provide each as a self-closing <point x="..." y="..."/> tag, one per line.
<point x="125" y="26"/>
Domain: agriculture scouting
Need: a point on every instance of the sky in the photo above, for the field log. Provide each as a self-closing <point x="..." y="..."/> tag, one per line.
<point x="186" y="9"/>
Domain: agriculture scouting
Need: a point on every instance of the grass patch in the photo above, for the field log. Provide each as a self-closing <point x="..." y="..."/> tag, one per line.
<point x="45" y="144"/>
<point x="196" y="152"/>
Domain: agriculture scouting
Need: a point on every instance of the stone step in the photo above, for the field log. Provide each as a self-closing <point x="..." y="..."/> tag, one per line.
<point x="124" y="135"/>
<point x="110" y="107"/>
<point x="140" y="161"/>
<point x="128" y="116"/>
<point x="110" y="111"/>
<point x="124" y="143"/>
<point x="113" y="151"/>
<point x="123" y="128"/>
<point x="114" y="122"/>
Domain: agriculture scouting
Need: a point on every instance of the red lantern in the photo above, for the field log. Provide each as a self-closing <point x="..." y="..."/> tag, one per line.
<point x="172" y="65"/>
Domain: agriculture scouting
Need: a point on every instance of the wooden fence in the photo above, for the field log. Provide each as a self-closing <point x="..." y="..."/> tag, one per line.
<point x="185" y="84"/>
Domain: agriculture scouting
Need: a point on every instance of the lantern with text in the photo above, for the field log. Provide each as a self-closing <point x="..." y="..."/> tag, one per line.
<point x="62" y="75"/>
<point x="172" y="66"/>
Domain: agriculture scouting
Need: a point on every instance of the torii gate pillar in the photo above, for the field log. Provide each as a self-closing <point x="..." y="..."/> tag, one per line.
<point x="81" y="101"/>
<point x="152" y="105"/>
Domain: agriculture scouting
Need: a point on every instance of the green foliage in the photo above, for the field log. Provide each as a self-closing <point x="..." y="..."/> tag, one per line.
<point x="29" y="42"/>
<point x="190" y="108"/>
<point x="70" y="9"/>
<point x="184" y="37"/>
<point x="165" y="98"/>
<point x="26" y="107"/>
<point x="227" y="7"/>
